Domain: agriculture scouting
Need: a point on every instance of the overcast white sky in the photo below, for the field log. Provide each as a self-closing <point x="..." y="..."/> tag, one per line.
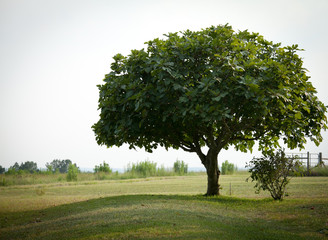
<point x="54" y="53"/>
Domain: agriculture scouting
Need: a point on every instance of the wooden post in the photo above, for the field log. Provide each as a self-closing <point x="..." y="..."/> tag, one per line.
<point x="320" y="159"/>
<point x="308" y="163"/>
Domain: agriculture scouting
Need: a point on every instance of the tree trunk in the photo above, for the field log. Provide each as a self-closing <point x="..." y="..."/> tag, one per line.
<point x="213" y="173"/>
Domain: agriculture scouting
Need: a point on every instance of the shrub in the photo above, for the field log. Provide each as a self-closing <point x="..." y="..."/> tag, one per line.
<point x="144" y="169"/>
<point x="180" y="167"/>
<point x="11" y="171"/>
<point x="102" y="168"/>
<point x="227" y="168"/>
<point x="273" y="172"/>
<point x="73" y="170"/>
<point x="50" y="168"/>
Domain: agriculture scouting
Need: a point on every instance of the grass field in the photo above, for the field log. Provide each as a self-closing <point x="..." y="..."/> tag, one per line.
<point x="163" y="208"/>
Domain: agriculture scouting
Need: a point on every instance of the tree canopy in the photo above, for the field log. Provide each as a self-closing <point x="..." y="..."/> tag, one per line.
<point x="28" y="166"/>
<point x="59" y="165"/>
<point x="215" y="88"/>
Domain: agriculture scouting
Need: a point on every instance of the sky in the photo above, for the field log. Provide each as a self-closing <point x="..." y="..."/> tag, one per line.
<point x="53" y="54"/>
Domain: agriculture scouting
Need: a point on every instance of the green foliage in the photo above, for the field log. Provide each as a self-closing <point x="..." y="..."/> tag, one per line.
<point x="213" y="87"/>
<point x="2" y="170"/>
<point x="26" y="167"/>
<point x="227" y="168"/>
<point x="50" y="168"/>
<point x="11" y="171"/>
<point x="29" y="166"/>
<point x="273" y="172"/>
<point x="103" y="168"/>
<point x="59" y="165"/>
<point x="144" y="169"/>
<point x="73" y="170"/>
<point x="319" y="171"/>
<point x="102" y="171"/>
<point x="180" y="167"/>
<point x="15" y="167"/>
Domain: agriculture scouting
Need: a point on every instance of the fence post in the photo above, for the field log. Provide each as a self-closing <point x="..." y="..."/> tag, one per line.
<point x="320" y="159"/>
<point x="308" y="163"/>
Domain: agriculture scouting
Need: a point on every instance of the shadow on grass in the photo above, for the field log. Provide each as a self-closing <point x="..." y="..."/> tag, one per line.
<point x="148" y="217"/>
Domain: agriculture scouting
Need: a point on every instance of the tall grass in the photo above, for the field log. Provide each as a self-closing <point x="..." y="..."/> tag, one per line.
<point x="228" y="168"/>
<point x="146" y="169"/>
<point x="180" y="167"/>
<point x="31" y="178"/>
<point x="319" y="171"/>
<point x="102" y="172"/>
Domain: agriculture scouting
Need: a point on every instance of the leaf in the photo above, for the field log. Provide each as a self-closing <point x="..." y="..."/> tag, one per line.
<point x="307" y="109"/>
<point x="183" y="99"/>
<point x="254" y="87"/>
<point x="137" y="106"/>
<point x="298" y="115"/>
<point x="176" y="86"/>
<point x="218" y="98"/>
<point x="239" y="68"/>
<point x="290" y="107"/>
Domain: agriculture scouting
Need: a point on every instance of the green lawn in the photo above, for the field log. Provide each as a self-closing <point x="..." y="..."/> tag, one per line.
<point x="163" y="208"/>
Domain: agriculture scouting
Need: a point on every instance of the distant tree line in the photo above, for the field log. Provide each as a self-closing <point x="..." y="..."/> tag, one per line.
<point x="59" y="166"/>
<point x="56" y="166"/>
<point x="2" y="169"/>
<point x="28" y="167"/>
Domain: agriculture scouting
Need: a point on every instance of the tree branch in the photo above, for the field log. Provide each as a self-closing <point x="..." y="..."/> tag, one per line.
<point x="201" y="155"/>
<point x="186" y="148"/>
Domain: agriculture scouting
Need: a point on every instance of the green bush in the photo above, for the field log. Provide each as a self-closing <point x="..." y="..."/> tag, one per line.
<point x="273" y="172"/>
<point x="102" y="168"/>
<point x="11" y="171"/>
<point x="143" y="169"/>
<point x="73" y="170"/>
<point x="228" y="168"/>
<point x="103" y="171"/>
<point x="180" y="167"/>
